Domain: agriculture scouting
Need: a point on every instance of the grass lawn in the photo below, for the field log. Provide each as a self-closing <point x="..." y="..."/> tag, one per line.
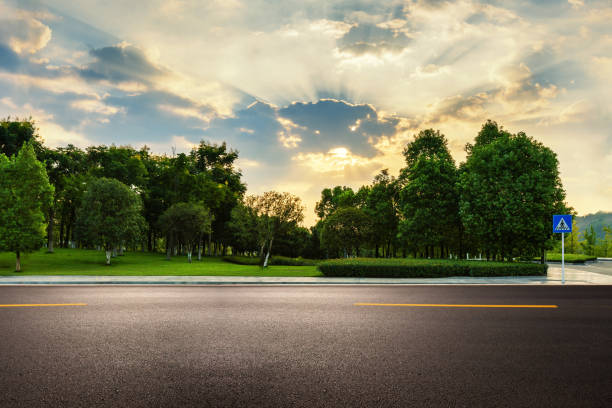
<point x="90" y="262"/>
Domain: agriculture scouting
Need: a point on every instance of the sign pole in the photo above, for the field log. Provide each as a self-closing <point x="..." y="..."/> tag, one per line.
<point x="563" y="258"/>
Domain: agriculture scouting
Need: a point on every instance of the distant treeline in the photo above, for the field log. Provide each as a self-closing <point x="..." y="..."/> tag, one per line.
<point x="498" y="203"/>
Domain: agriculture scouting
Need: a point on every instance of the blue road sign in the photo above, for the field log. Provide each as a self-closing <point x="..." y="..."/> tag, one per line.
<point x="562" y="223"/>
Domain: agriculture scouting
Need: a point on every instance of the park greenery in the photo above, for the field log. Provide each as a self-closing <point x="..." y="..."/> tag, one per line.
<point x="496" y="205"/>
<point x="426" y="268"/>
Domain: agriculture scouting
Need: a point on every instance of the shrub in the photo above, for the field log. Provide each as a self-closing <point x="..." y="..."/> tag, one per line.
<point x="283" y="260"/>
<point x="426" y="268"/>
<point x="242" y="260"/>
<point x="274" y="260"/>
<point x="569" y="258"/>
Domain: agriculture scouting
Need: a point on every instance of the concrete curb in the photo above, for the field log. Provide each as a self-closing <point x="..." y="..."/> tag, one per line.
<point x="574" y="276"/>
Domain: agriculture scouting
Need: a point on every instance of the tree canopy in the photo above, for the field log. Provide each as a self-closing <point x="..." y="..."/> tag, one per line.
<point x="110" y="215"/>
<point x="25" y="195"/>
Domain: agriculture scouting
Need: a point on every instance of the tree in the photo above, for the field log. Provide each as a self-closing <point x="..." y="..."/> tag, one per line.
<point x="338" y="197"/>
<point x="346" y="229"/>
<point x="572" y="238"/>
<point x="381" y="205"/>
<point x="243" y="228"/>
<point x="509" y="190"/>
<point x="590" y="241"/>
<point x="109" y="215"/>
<point x="25" y="195"/>
<point x="275" y="212"/>
<point x="14" y="133"/>
<point x="187" y="223"/>
<point x="428" y="198"/>
<point x="66" y="167"/>
<point x="606" y="242"/>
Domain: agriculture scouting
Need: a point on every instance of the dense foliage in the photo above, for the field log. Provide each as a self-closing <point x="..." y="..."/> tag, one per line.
<point x="498" y="203"/>
<point x="25" y="193"/>
<point x="421" y="268"/>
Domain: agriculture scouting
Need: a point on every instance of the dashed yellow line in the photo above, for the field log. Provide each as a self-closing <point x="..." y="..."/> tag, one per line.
<point x="45" y="304"/>
<point x="454" y="305"/>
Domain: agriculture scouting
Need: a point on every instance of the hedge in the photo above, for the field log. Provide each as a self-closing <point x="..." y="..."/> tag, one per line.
<point x="274" y="260"/>
<point x="426" y="268"/>
<point x="569" y="258"/>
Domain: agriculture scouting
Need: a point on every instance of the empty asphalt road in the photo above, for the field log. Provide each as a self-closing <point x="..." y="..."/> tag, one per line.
<point x="306" y="346"/>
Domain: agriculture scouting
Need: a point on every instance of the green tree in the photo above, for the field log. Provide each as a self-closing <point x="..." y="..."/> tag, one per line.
<point x="333" y="199"/>
<point x="590" y="241"/>
<point x="428" y="198"/>
<point x="25" y="195"/>
<point x="243" y="228"/>
<point x="66" y="167"/>
<point x="276" y="212"/>
<point x="606" y="242"/>
<point x="381" y="205"/>
<point x="14" y="133"/>
<point x="347" y="229"/>
<point x="110" y="215"/>
<point x="572" y="239"/>
<point x="509" y="190"/>
<point x="187" y="223"/>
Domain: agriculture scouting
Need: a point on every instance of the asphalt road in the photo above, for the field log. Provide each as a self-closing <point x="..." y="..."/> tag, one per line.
<point x="307" y="346"/>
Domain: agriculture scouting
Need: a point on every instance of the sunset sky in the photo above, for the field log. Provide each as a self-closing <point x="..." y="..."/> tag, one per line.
<point x="316" y="93"/>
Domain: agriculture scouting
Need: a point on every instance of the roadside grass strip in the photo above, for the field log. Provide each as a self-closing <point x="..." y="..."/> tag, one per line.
<point x="451" y="305"/>
<point x="45" y="304"/>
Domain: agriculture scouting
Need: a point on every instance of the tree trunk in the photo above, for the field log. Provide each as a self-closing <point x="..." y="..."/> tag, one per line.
<point x="61" y="232"/>
<point x="189" y="255"/>
<point x="114" y="252"/>
<point x="50" y="232"/>
<point x="18" y="262"/>
<point x="376" y="255"/>
<point x="121" y="250"/>
<point x="200" y="243"/>
<point x="268" y="254"/>
<point x="108" y="257"/>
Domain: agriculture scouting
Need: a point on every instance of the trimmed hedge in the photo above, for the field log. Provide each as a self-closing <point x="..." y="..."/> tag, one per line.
<point x="426" y="268"/>
<point x="569" y="258"/>
<point x="274" y="260"/>
<point x="242" y="260"/>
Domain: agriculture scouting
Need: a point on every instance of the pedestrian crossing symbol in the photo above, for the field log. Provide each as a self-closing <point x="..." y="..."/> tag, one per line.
<point x="562" y="223"/>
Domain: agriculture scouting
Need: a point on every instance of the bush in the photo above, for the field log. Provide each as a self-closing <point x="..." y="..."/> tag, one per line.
<point x="569" y="258"/>
<point x="426" y="268"/>
<point x="283" y="260"/>
<point x="242" y="260"/>
<point x="274" y="260"/>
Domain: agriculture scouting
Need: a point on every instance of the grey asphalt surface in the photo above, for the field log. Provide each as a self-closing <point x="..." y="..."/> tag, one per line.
<point x="306" y="346"/>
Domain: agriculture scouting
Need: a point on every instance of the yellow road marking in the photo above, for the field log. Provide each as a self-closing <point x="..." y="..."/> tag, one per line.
<point x="45" y="304"/>
<point x="449" y="305"/>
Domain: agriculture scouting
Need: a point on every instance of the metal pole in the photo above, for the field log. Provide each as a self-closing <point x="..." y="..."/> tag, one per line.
<point x="563" y="258"/>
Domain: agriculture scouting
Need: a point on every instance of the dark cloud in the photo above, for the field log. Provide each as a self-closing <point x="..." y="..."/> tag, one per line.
<point x="121" y="63"/>
<point x="371" y="39"/>
<point x="9" y="59"/>
<point x="331" y="123"/>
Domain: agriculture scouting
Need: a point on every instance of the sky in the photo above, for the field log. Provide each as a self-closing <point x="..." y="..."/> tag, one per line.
<point x="316" y="93"/>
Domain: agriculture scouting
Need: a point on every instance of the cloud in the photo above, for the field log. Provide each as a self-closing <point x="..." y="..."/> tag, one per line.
<point x="22" y="31"/>
<point x="9" y="59"/>
<point x="372" y="39"/>
<point x="576" y="4"/>
<point x="329" y="123"/>
<point x="96" y="106"/>
<point x="121" y="63"/>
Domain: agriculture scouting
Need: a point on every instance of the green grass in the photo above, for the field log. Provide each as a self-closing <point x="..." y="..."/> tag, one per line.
<point x="90" y="262"/>
<point x="570" y="258"/>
